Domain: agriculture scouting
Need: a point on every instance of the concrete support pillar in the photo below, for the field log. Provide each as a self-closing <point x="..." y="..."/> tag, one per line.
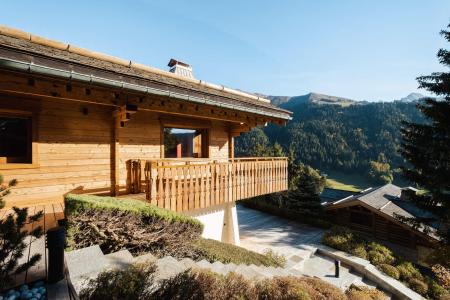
<point x="230" y="231"/>
<point x="220" y="223"/>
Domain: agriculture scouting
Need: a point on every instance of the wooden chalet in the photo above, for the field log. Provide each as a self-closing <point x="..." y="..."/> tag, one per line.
<point x="77" y="121"/>
<point x="377" y="213"/>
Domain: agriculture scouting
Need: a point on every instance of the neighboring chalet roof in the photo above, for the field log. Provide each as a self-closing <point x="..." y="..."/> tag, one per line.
<point x="385" y="201"/>
<point x="330" y="195"/>
<point x="29" y="53"/>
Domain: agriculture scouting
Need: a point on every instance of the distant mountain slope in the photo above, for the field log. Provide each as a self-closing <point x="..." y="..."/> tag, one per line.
<point x="336" y="133"/>
<point x="412" y="97"/>
<point x="317" y="98"/>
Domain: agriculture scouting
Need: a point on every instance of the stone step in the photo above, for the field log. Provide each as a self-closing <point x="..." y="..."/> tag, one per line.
<point x="230" y="267"/>
<point x="203" y="264"/>
<point x="168" y="267"/>
<point x="219" y="268"/>
<point x="85" y="261"/>
<point x="144" y="258"/>
<point x="295" y="262"/>
<point x="120" y="259"/>
<point x="247" y="271"/>
<point x="188" y="263"/>
<point x="266" y="272"/>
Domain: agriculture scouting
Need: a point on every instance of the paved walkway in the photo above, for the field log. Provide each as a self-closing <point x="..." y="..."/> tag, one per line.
<point x="260" y="231"/>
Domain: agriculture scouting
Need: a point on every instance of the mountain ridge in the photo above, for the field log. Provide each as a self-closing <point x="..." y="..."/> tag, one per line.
<point x="322" y="99"/>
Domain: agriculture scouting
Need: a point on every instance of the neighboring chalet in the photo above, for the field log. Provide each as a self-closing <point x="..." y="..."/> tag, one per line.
<point x="376" y="213"/>
<point x="77" y="121"/>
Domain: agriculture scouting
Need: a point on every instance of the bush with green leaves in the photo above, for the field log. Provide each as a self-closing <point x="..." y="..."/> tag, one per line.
<point x="344" y="239"/>
<point x="408" y="271"/>
<point x="129" y="283"/>
<point x="213" y="250"/>
<point x="390" y="270"/>
<point x="365" y="293"/>
<point x="138" y="282"/>
<point x="13" y="236"/>
<point x="418" y="285"/>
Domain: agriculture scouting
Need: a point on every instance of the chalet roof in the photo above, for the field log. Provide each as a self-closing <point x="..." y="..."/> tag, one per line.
<point x="48" y="53"/>
<point x="384" y="200"/>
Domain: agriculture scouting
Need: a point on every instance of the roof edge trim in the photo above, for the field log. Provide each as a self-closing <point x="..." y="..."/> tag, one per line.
<point x="19" y="34"/>
<point x="32" y="68"/>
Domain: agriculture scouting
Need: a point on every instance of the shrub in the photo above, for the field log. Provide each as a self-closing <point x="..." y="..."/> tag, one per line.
<point x="378" y="258"/>
<point x="379" y="254"/>
<point x="282" y="288"/>
<point x="213" y="250"/>
<point x="138" y="282"/>
<point x="78" y="203"/>
<point x="12" y="238"/>
<point x="275" y="257"/>
<point x="418" y="285"/>
<point x="129" y="283"/>
<point x="442" y="274"/>
<point x="117" y="224"/>
<point x="365" y="293"/>
<point x="359" y="250"/>
<point x="319" y="289"/>
<point x="408" y="272"/>
<point x="339" y="238"/>
<point x="435" y="291"/>
<point x="390" y="271"/>
<point x="204" y="285"/>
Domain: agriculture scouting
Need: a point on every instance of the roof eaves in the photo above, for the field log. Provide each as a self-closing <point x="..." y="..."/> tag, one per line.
<point x="88" y="78"/>
<point x="15" y="33"/>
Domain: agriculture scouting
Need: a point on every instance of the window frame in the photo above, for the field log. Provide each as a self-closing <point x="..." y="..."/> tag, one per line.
<point x="186" y="123"/>
<point x="33" y="139"/>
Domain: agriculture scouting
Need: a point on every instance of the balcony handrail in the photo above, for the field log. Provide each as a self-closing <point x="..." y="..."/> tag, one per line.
<point x="192" y="184"/>
<point x="160" y="163"/>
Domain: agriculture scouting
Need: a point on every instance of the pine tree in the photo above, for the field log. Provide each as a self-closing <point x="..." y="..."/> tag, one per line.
<point x="427" y="146"/>
<point x="13" y="236"/>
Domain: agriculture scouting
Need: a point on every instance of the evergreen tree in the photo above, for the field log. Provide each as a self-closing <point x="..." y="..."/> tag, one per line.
<point x="254" y="143"/>
<point x="277" y="150"/>
<point x="427" y="146"/>
<point x="12" y="238"/>
<point x="306" y="181"/>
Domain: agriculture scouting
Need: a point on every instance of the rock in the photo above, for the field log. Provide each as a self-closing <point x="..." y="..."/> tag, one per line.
<point x="39" y="283"/>
<point x="23" y="287"/>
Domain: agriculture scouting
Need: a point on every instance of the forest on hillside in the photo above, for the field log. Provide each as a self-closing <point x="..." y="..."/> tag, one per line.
<point x="360" y="138"/>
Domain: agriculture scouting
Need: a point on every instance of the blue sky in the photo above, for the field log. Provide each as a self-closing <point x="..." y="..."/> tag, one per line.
<point x="365" y="50"/>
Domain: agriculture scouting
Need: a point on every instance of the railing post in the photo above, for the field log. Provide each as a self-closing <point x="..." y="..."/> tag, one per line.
<point x="230" y="182"/>
<point x="151" y="185"/>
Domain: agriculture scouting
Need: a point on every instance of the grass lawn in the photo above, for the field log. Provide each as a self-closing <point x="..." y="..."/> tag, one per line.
<point x="348" y="182"/>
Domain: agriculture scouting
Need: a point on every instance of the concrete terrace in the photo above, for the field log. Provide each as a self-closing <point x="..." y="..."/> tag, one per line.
<point x="260" y="231"/>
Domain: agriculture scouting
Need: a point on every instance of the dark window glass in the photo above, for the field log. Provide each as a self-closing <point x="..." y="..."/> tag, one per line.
<point x="15" y="140"/>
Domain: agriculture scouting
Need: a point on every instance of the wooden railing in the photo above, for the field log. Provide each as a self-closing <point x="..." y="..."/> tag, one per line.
<point x="182" y="185"/>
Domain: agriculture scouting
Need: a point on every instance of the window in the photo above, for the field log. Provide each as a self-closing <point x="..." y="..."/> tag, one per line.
<point x="179" y="143"/>
<point x="15" y="139"/>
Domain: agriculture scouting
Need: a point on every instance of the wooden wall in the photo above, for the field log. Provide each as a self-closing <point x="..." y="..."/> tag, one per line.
<point x="74" y="148"/>
<point x="381" y="228"/>
<point x="73" y="151"/>
<point x="219" y="140"/>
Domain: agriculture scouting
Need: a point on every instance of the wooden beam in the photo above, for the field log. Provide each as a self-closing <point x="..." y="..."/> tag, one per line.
<point x="19" y="84"/>
<point x="115" y="154"/>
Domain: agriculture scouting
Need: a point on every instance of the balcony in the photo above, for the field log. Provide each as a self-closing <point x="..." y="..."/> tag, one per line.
<point x="183" y="185"/>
